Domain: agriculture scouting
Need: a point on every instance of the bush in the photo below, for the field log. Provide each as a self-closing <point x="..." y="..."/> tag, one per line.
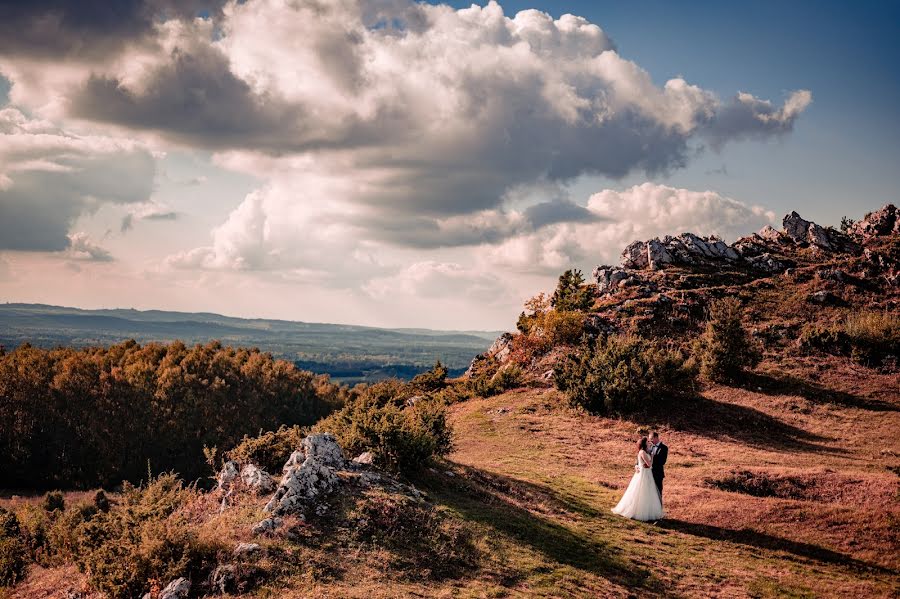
<point x="502" y="380"/>
<point x="144" y="538"/>
<point x="432" y="380"/>
<point x="269" y="450"/>
<point x="762" y="485"/>
<point x="400" y="436"/>
<point x="422" y="541"/>
<point x="54" y="502"/>
<point x="724" y="350"/>
<point x="13" y="553"/>
<point x="623" y="374"/>
<point x="874" y="337"/>
<point x="571" y="294"/>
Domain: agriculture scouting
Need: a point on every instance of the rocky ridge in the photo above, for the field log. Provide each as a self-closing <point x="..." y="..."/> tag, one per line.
<point x="664" y="284"/>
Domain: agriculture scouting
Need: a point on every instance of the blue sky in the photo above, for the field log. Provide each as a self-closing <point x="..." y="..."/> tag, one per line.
<point x="843" y="156"/>
<point x="289" y="161"/>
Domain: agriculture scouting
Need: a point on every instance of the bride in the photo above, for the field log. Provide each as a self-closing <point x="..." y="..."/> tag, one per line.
<point x="641" y="500"/>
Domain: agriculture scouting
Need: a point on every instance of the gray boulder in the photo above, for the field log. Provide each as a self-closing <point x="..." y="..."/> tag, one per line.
<point x="257" y="479"/>
<point x="247" y="551"/>
<point x="227" y="475"/>
<point x="324" y="447"/>
<point x="303" y="486"/>
<point x="179" y="588"/>
<point x="267" y="526"/>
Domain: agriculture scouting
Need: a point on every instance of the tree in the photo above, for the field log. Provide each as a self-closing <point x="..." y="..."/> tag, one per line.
<point x="724" y="350"/>
<point x="571" y="293"/>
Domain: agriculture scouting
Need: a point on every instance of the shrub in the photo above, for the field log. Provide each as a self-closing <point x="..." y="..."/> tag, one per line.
<point x="13" y="553"/>
<point x="145" y="537"/>
<point x="571" y="294"/>
<point x="504" y="379"/>
<point x="874" y="337"/>
<point x="724" y="350"/>
<point x="762" y="485"/>
<point x="269" y="450"/>
<point x="54" y="502"/>
<point x="525" y="347"/>
<point x="432" y="380"/>
<point x="623" y="374"/>
<point x="421" y="540"/>
<point x="401" y="437"/>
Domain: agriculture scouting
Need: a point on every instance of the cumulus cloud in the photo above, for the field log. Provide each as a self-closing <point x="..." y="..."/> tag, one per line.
<point x="82" y="247"/>
<point x="49" y="177"/>
<point x="151" y="211"/>
<point x="638" y="213"/>
<point x="436" y="280"/>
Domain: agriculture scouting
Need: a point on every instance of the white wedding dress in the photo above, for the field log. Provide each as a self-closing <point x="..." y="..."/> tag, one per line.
<point x="641" y="500"/>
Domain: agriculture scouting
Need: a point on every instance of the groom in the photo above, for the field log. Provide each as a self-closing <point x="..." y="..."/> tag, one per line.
<point x="660" y="453"/>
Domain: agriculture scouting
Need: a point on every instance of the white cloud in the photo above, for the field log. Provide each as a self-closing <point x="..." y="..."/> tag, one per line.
<point x="82" y="247"/>
<point x="637" y="213"/>
<point x="50" y="176"/>
<point x="431" y="280"/>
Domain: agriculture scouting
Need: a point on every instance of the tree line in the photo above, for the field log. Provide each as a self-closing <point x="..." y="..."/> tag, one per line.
<point x="78" y="418"/>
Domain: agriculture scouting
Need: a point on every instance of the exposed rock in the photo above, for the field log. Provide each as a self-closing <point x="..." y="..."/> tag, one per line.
<point x="609" y="277"/>
<point x="234" y="578"/>
<point x="803" y="231"/>
<point x="824" y="298"/>
<point x="768" y="263"/>
<point x="179" y="588"/>
<point x="325" y="448"/>
<point x="303" y="485"/>
<point x="657" y="255"/>
<point x="366" y="458"/>
<point x="227" y="475"/>
<point x="883" y="221"/>
<point x="635" y="255"/>
<point x="501" y="347"/>
<point x="769" y="234"/>
<point x="269" y="525"/>
<point x="247" y="551"/>
<point x="411" y="401"/>
<point x="257" y="479"/>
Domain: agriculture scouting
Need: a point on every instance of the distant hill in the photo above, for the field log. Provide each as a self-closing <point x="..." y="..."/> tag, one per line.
<point x="347" y="352"/>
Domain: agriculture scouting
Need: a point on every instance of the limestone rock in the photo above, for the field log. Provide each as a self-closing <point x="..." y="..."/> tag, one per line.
<point x="501" y="347"/>
<point x="635" y="255"/>
<point x="657" y="254"/>
<point x="365" y="458"/>
<point x="324" y="447"/>
<point x="247" y="551"/>
<point x="269" y="525"/>
<point x="179" y="588"/>
<point x="608" y="278"/>
<point x="303" y="486"/>
<point x="883" y="221"/>
<point x="824" y="298"/>
<point x="227" y="475"/>
<point x="257" y="479"/>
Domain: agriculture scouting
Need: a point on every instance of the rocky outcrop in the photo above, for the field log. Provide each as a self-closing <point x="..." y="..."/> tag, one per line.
<point x="304" y="483"/>
<point x="257" y="479"/>
<point x="884" y="221"/>
<point x="499" y="350"/>
<point x="685" y="250"/>
<point x="180" y="588"/>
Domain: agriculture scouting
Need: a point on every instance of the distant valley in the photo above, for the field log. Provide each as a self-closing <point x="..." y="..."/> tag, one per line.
<point x="348" y="353"/>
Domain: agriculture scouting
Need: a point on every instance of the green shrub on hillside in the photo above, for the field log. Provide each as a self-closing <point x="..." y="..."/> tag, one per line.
<point x="13" y="553"/>
<point x="724" y="350"/>
<point x="432" y="380"/>
<point x="144" y="538"/>
<point x="401" y="436"/>
<point x="623" y="374"/>
<point x="508" y="377"/>
<point x="874" y="337"/>
<point x="269" y="450"/>
<point x="571" y="294"/>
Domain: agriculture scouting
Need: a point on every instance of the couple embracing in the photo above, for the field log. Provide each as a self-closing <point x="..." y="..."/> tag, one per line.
<point x="643" y="497"/>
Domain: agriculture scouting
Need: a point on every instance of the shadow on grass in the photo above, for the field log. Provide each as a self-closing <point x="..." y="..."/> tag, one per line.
<point x="499" y="502"/>
<point x="711" y="418"/>
<point x="761" y="540"/>
<point x="783" y="384"/>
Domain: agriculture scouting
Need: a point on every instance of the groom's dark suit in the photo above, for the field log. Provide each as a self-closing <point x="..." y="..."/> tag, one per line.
<point x="660" y="455"/>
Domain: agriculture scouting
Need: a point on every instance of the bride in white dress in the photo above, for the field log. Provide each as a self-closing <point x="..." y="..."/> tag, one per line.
<point x="641" y="500"/>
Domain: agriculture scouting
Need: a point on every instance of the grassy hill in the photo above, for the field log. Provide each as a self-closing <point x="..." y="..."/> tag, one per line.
<point x="349" y="353"/>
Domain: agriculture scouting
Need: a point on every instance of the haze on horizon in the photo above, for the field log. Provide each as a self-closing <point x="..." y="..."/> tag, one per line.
<point x="391" y="163"/>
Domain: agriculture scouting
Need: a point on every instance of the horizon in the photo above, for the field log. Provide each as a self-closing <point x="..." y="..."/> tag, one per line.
<point x="404" y="165"/>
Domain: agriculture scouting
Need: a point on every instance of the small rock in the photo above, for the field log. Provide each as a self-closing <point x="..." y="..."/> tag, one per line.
<point x="257" y="479"/>
<point x="177" y="589"/>
<point x="269" y="525"/>
<point x="366" y="458"/>
<point x="824" y="298"/>
<point x="325" y="448"/>
<point x="247" y="550"/>
<point x="227" y="475"/>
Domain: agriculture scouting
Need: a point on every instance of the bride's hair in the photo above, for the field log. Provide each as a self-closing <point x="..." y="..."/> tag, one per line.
<point x="642" y="444"/>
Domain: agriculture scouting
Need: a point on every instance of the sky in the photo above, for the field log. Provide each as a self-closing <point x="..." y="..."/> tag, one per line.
<point x="398" y="164"/>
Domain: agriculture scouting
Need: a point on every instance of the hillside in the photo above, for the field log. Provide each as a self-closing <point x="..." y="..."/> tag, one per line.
<point x="785" y="483"/>
<point x="346" y="352"/>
